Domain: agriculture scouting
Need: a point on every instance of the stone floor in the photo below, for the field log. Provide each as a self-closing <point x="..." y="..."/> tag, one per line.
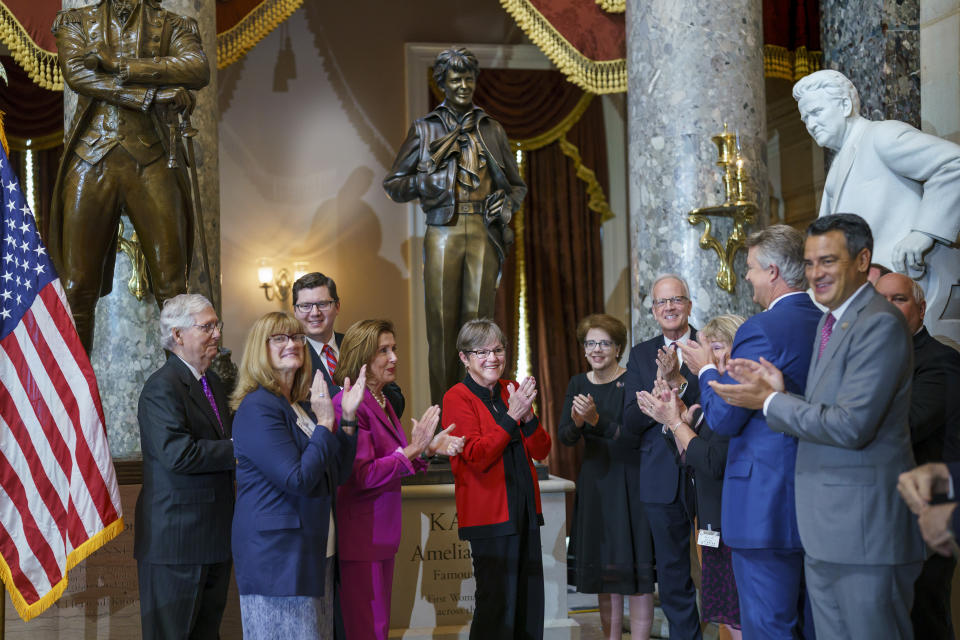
<point x="583" y="609"/>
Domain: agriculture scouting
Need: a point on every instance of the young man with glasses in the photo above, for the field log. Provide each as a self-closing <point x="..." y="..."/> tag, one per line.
<point x="660" y="480"/>
<point x="317" y="305"/>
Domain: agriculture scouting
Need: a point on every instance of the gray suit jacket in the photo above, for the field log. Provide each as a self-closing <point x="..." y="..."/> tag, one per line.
<point x="854" y="439"/>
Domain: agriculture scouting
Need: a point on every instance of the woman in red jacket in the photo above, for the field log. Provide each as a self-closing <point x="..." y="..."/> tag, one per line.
<point x="498" y="497"/>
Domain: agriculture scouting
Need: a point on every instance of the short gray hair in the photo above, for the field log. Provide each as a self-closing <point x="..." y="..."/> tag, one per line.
<point x="479" y="332"/>
<point x="781" y="245"/>
<point x="669" y="276"/>
<point x="918" y="295"/>
<point x="833" y="83"/>
<point x="178" y="313"/>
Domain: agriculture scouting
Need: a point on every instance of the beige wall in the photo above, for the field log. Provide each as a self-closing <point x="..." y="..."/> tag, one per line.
<point x="301" y="170"/>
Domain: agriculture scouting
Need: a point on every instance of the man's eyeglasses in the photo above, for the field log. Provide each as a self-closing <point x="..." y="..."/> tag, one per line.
<point x="481" y="354"/>
<point x="281" y="339"/>
<point x="604" y="345"/>
<point x="210" y="326"/>
<point x="321" y="305"/>
<point x="659" y="302"/>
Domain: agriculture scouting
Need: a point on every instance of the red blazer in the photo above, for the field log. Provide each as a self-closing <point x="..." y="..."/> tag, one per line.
<point x="479" y="476"/>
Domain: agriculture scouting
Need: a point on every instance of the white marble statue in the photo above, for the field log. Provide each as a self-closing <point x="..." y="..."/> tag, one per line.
<point x="903" y="182"/>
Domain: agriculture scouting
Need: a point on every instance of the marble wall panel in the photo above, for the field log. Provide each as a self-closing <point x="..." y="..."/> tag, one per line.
<point x="876" y="43"/>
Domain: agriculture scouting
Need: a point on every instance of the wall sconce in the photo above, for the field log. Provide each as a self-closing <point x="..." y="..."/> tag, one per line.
<point x="736" y="206"/>
<point x="300" y="269"/>
<point x="268" y="282"/>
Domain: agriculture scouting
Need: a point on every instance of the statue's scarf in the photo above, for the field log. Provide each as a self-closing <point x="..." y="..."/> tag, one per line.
<point x="461" y="140"/>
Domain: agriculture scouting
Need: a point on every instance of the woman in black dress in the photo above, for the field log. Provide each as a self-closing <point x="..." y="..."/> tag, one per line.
<point x="704" y="454"/>
<point x="611" y="549"/>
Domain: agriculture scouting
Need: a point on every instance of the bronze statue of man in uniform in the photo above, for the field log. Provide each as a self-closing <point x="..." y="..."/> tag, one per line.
<point x="132" y="65"/>
<point x="458" y="161"/>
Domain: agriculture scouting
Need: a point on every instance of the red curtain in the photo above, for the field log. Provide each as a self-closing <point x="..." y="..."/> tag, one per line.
<point x="36" y="114"/>
<point x="792" y="23"/>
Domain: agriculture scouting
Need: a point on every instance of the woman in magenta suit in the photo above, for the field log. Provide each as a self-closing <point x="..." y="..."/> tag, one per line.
<point x="368" y="504"/>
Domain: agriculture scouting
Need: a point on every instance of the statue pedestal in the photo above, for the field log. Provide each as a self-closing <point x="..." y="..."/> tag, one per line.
<point x="433" y="584"/>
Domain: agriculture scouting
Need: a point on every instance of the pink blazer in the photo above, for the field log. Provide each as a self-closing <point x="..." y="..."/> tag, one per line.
<point x="368" y="504"/>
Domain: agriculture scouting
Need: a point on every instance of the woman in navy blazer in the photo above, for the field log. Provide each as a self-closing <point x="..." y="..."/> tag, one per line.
<point x="290" y="459"/>
<point x="368" y="504"/>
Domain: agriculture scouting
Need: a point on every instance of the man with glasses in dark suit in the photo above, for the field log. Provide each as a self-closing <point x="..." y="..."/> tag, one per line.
<point x="317" y="305"/>
<point x="185" y="508"/>
<point x="660" y="487"/>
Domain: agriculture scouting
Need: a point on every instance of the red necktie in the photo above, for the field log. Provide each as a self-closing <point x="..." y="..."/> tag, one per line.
<point x="825" y="333"/>
<point x="330" y="357"/>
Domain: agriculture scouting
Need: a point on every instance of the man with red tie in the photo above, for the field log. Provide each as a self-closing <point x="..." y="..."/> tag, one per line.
<point x="317" y="305"/>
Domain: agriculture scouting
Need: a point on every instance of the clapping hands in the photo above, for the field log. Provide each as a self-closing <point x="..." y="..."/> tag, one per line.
<point x="584" y="410"/>
<point x="663" y="404"/>
<point x="756" y="381"/>
<point x="520" y="399"/>
<point x="352" y="394"/>
<point x="320" y="402"/>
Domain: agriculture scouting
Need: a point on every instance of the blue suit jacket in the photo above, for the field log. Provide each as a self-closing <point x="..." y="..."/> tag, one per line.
<point x="759" y="506"/>
<point x="286" y="483"/>
<point x="659" y="473"/>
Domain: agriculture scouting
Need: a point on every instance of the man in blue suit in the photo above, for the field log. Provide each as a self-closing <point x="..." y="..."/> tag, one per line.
<point x="758" y="517"/>
<point x="317" y="305"/>
<point x="661" y="478"/>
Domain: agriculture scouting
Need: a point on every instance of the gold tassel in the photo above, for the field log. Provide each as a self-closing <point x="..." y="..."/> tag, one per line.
<point x="36" y="62"/>
<point x="779" y="62"/>
<point x="613" y="6"/>
<point x="3" y="136"/>
<point x="255" y="26"/>
<point x="603" y="76"/>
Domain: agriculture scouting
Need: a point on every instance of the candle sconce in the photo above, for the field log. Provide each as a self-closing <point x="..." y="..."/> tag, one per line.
<point x="737" y="207"/>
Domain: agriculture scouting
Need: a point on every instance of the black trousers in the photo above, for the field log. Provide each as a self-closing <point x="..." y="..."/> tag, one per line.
<point x="931" y="600"/>
<point x="182" y="601"/>
<point x="509" y="596"/>
<point x="670" y="527"/>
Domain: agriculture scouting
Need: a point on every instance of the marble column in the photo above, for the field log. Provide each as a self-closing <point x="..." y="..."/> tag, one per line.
<point x="939" y="62"/>
<point x="126" y="347"/>
<point x="691" y="68"/>
<point x="876" y="43"/>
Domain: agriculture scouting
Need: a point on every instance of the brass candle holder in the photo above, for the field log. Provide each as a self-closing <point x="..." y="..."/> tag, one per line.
<point x="737" y="207"/>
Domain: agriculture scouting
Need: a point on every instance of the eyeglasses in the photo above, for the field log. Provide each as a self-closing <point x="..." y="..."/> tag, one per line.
<point x="210" y="326"/>
<point x="604" y="345"/>
<point x="483" y="353"/>
<point x="281" y="339"/>
<point x="321" y="305"/>
<point x="659" y="302"/>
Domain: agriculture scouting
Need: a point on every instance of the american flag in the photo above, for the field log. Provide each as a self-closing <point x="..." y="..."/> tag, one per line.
<point x="59" y="500"/>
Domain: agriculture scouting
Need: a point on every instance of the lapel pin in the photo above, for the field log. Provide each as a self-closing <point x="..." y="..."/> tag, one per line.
<point x="844" y="325"/>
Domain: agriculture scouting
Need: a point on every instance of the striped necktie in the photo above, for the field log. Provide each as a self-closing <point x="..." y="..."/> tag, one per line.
<point x="330" y="358"/>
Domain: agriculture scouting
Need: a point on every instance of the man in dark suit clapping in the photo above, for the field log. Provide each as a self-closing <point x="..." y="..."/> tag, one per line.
<point x="185" y="508"/>
<point x="661" y="477"/>
<point x="316" y="305"/>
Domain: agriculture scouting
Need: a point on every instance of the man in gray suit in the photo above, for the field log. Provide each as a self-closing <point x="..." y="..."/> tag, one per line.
<point x="863" y="550"/>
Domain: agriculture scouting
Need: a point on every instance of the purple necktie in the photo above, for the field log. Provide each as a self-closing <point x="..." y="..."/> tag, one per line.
<point x="213" y="403"/>
<point x="825" y="333"/>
